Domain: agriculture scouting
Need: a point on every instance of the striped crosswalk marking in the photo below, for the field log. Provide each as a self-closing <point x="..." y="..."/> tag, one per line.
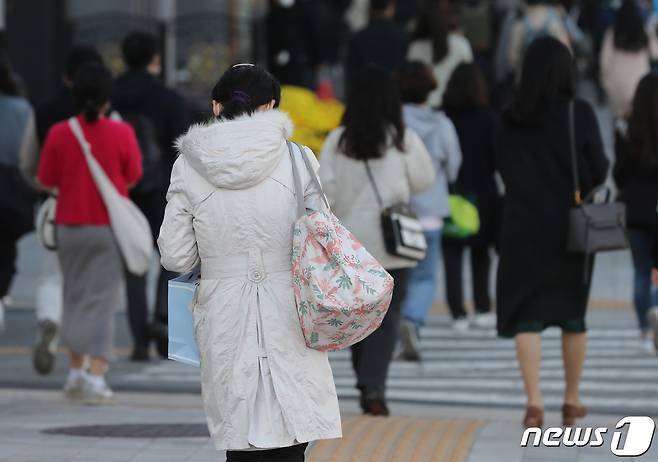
<point x="477" y="368"/>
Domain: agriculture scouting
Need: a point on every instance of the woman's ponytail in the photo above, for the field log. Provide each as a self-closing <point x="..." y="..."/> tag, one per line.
<point x="243" y="89"/>
<point x="92" y="87"/>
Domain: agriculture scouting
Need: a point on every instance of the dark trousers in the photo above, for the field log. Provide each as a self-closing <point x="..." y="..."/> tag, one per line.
<point x="289" y="454"/>
<point x="152" y="204"/>
<point x="138" y="305"/>
<point x="7" y="261"/>
<point x="644" y="294"/>
<point x="372" y="356"/>
<point x="453" y="257"/>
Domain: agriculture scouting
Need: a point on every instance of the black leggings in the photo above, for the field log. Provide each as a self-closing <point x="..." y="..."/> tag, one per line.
<point x="289" y="454"/>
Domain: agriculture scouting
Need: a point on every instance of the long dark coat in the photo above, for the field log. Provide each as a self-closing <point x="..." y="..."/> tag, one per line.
<point x="537" y="279"/>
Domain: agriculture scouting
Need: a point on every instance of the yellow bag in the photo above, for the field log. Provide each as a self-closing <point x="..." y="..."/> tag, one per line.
<point x="314" y="118"/>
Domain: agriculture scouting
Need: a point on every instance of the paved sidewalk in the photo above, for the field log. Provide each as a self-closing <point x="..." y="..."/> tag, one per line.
<point x="416" y="433"/>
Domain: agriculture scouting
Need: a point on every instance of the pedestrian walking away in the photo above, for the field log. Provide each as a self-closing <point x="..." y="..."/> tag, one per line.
<point x="636" y="176"/>
<point x="373" y="136"/>
<point x="91" y="265"/>
<point x="466" y="103"/>
<point x="231" y="209"/>
<point x="539" y="283"/>
<point x="158" y="116"/>
<point x="49" y="287"/>
<point x="16" y="198"/>
<point x="435" y="44"/>
<point x="626" y="54"/>
<point x="382" y="42"/>
<point x="417" y="81"/>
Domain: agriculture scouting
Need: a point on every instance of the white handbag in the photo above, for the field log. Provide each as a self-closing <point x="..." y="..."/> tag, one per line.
<point x="45" y="223"/>
<point x="130" y="227"/>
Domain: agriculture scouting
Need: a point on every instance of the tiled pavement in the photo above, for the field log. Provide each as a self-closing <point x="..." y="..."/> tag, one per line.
<point x="415" y="434"/>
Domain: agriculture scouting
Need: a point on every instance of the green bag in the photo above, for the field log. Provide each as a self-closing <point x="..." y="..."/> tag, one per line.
<point x="464" y="220"/>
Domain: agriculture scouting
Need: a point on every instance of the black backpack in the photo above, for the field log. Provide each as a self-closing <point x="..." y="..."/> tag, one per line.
<point x="152" y="159"/>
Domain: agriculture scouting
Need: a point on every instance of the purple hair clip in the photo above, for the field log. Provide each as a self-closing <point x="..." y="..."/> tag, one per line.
<point x="241" y="97"/>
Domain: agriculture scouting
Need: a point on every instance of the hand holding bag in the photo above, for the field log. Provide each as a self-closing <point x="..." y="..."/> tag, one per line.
<point x="130" y="227"/>
<point x="593" y="227"/>
<point x="342" y="292"/>
<point x="403" y="232"/>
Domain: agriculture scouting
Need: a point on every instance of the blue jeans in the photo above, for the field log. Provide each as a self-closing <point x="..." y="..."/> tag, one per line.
<point x="421" y="287"/>
<point x="644" y="294"/>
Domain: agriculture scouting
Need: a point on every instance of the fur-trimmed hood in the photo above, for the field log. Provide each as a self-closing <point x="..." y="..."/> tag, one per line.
<point x="239" y="153"/>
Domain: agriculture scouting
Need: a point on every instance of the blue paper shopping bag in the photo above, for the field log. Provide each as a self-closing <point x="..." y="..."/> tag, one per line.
<point x="182" y="344"/>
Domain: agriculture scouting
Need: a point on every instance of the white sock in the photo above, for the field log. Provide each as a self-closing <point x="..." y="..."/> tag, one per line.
<point x="96" y="380"/>
<point x="75" y="374"/>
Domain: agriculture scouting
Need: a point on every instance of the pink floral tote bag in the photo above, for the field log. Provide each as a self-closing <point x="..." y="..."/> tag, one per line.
<point x="342" y="292"/>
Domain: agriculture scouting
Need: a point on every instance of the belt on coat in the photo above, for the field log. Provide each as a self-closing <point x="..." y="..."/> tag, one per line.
<point x="253" y="264"/>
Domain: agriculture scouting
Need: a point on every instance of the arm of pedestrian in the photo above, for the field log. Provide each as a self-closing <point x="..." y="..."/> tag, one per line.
<point x="327" y="171"/>
<point x="28" y="160"/>
<point x="177" y="240"/>
<point x="420" y="170"/>
<point x="453" y="150"/>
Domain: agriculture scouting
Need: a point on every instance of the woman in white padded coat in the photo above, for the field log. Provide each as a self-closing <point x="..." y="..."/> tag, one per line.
<point x="231" y="209"/>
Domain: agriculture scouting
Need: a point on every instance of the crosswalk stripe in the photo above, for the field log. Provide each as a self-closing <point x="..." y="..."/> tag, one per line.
<point x="477" y="368"/>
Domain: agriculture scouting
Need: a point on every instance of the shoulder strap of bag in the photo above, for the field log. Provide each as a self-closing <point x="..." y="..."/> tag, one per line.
<point x="98" y="174"/>
<point x="299" y="191"/>
<point x="374" y="184"/>
<point x="574" y="158"/>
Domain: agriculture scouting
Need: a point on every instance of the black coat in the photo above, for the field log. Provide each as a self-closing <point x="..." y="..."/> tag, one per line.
<point x="537" y="279"/>
<point x="383" y="42"/>
<point x="140" y="92"/>
<point x="637" y="181"/>
<point x="53" y="111"/>
<point x="476" y="178"/>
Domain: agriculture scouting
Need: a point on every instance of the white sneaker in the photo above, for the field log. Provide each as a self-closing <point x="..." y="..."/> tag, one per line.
<point x="96" y="391"/>
<point x="652" y="316"/>
<point x="646" y="345"/>
<point x="74" y="386"/>
<point x="460" y="325"/>
<point x="484" y="320"/>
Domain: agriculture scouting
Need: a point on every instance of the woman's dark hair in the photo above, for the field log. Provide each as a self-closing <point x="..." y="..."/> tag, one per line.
<point x="373" y="114"/>
<point x="416" y="81"/>
<point x="92" y="88"/>
<point x="77" y="56"/>
<point x="8" y="84"/>
<point x="243" y="88"/>
<point x="466" y="89"/>
<point x="546" y="77"/>
<point x="643" y="122"/>
<point x="432" y="26"/>
<point x="629" y="31"/>
<point x="138" y="49"/>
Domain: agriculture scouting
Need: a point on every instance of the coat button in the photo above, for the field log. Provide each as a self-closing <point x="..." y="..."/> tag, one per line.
<point x="256" y="275"/>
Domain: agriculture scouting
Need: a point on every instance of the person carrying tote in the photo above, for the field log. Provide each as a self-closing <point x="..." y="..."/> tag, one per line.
<point x="373" y="135"/>
<point x="540" y="284"/>
<point x="91" y="264"/>
<point x="231" y="209"/>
